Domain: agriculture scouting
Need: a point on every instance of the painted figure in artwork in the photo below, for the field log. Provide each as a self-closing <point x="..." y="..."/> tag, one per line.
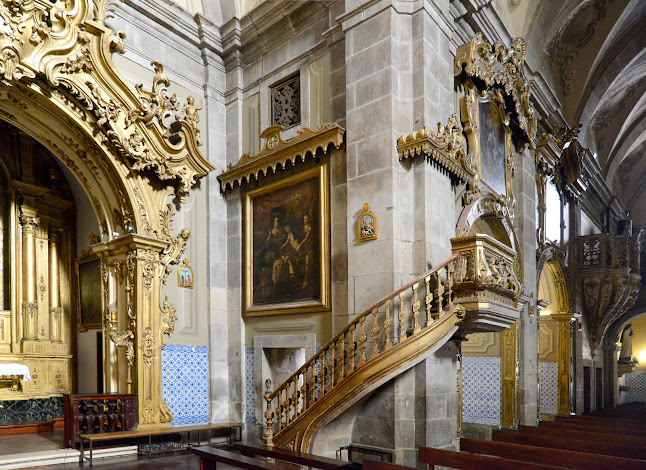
<point x="285" y="262"/>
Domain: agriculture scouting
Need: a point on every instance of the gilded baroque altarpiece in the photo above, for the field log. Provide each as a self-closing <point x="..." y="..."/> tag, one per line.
<point x="131" y="148"/>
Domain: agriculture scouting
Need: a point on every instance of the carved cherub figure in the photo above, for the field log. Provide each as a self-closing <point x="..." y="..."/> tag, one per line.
<point x="190" y="112"/>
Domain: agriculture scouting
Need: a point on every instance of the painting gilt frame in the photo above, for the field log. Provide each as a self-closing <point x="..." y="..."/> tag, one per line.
<point x="89" y="305"/>
<point x="287" y="245"/>
<point x="484" y="118"/>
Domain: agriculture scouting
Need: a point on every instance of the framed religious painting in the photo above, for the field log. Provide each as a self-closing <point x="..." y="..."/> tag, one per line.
<point x="287" y="247"/>
<point x="90" y="297"/>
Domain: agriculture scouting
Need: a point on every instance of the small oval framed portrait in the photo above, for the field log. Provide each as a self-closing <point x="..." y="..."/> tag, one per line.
<point x="367" y="225"/>
<point x="185" y="275"/>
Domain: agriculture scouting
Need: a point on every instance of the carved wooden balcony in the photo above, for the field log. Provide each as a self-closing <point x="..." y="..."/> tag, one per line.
<point x="486" y="283"/>
<point x="610" y="280"/>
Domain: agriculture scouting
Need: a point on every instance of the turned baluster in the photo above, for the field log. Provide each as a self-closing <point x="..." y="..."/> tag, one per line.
<point x="388" y="322"/>
<point x="288" y="405"/>
<point x="416" y="306"/>
<point x="439" y="292"/>
<point x="331" y="365"/>
<point x="449" y="282"/>
<point x="321" y="374"/>
<point x="304" y="392"/>
<point x="341" y="359"/>
<point x="312" y="383"/>
<point x="374" y="332"/>
<point x="363" y="338"/>
<point x="267" y="438"/>
<point x="428" y="300"/>
<point x="295" y="397"/>
<point x="351" y="348"/>
<point x="402" y="318"/>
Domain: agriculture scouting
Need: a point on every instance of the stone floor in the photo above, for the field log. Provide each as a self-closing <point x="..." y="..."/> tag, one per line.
<point x="11" y="444"/>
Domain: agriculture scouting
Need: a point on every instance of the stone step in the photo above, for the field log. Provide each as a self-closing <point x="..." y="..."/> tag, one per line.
<point x="60" y="456"/>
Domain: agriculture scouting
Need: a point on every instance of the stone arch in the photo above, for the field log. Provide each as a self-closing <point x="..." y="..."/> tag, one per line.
<point x="59" y="85"/>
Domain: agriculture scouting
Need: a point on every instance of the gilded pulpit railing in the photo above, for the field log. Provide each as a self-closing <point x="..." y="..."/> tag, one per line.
<point x="610" y="279"/>
<point x="378" y="343"/>
<point x="487" y="282"/>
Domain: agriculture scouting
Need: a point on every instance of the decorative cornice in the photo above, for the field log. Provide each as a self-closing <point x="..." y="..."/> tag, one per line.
<point x="277" y="151"/>
<point x="500" y="66"/>
<point x="446" y="149"/>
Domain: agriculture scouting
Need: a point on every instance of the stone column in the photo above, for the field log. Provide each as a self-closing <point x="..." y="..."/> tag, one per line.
<point x="573" y="226"/>
<point x="29" y="224"/>
<point x="610" y="372"/>
<point x="55" y="309"/>
<point x="564" y="341"/>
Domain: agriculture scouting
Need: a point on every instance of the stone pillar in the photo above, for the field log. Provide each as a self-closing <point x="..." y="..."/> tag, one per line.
<point x="378" y="73"/>
<point x="29" y="224"/>
<point x="564" y="341"/>
<point x="55" y="309"/>
<point x="573" y="227"/>
<point x="525" y="223"/>
<point x="609" y="372"/>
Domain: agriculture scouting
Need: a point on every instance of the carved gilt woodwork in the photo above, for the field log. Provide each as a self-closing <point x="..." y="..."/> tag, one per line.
<point x="486" y="283"/>
<point x="445" y="149"/>
<point x="610" y="280"/>
<point x="500" y="67"/>
<point x="277" y="151"/>
<point x="130" y="148"/>
<point x="509" y="377"/>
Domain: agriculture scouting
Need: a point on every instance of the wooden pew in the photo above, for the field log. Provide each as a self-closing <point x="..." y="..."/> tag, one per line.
<point x="464" y="461"/>
<point x="545" y="456"/>
<point x="600" y="421"/>
<point x="210" y="457"/>
<point x="251" y="449"/>
<point x="378" y="465"/>
<point x="576" y="445"/>
<point x="618" y="430"/>
<point x="566" y="434"/>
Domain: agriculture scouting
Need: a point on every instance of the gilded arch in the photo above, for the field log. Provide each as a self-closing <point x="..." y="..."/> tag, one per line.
<point x="58" y="83"/>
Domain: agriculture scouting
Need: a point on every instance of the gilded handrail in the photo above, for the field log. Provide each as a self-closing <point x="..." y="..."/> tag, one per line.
<point x="326" y="370"/>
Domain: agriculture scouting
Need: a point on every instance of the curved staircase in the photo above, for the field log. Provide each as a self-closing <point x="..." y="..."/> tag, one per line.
<point x="393" y="335"/>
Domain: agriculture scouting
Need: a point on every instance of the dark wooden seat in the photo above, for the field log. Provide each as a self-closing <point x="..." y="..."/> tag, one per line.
<point x="592" y="427"/>
<point x="301" y="458"/>
<point x="547" y="456"/>
<point x="134" y="434"/>
<point x="578" y="445"/>
<point x="211" y="456"/>
<point x="378" y="465"/>
<point x="464" y="461"/>
<point x="600" y="421"/>
<point x="566" y="434"/>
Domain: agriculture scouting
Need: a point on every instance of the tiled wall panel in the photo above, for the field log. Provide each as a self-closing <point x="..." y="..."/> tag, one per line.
<point x="637" y="392"/>
<point x="549" y="387"/>
<point x="481" y="390"/>
<point x="185" y="383"/>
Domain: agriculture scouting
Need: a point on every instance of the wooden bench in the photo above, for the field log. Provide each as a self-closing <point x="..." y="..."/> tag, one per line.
<point x="546" y="456"/>
<point x="464" y="461"/>
<point x="592" y="427"/>
<point x="608" y="437"/>
<point x="577" y="445"/>
<point x="300" y="458"/>
<point x="149" y="433"/>
<point x="605" y="422"/>
<point x="378" y="465"/>
<point x="210" y="456"/>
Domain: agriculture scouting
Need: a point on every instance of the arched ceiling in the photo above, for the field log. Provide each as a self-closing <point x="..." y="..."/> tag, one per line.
<point x="593" y="53"/>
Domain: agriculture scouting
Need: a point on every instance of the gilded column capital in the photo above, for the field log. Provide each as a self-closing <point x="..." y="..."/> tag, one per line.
<point x="29" y="223"/>
<point x="55" y="235"/>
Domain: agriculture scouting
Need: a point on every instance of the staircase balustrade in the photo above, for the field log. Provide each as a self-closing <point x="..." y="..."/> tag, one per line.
<point x="396" y="319"/>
